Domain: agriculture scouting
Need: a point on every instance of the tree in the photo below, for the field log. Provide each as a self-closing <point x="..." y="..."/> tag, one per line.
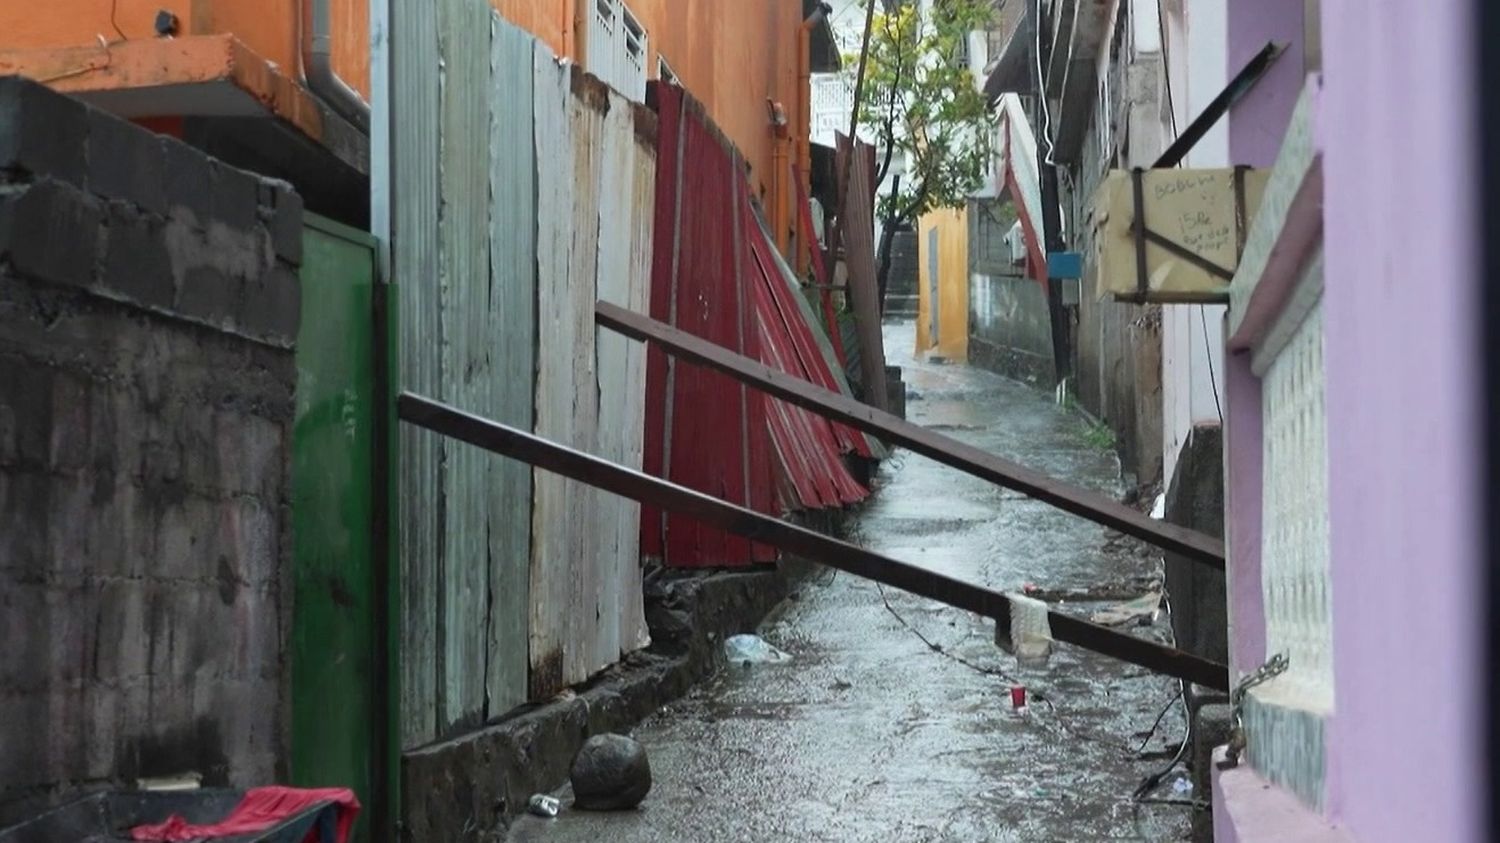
<point x="921" y="100"/>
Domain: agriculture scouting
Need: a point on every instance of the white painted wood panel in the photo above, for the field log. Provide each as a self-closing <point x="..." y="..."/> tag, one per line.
<point x="552" y="572"/>
<point x="575" y="357"/>
<point x="513" y="232"/>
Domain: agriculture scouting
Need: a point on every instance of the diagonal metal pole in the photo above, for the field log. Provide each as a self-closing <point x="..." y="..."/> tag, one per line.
<point x="951" y="452"/>
<point x="603" y="474"/>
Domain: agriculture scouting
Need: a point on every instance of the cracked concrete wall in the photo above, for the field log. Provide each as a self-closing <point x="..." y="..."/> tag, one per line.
<point x="149" y="303"/>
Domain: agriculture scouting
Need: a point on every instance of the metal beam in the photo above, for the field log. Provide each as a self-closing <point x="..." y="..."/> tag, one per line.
<point x="951" y="452"/>
<point x="1237" y="87"/>
<point x="516" y="444"/>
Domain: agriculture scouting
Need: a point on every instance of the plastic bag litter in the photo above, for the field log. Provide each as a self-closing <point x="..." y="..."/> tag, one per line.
<point x="752" y="649"/>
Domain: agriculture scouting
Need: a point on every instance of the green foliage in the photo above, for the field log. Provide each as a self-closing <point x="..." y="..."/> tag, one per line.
<point x="922" y="103"/>
<point x="1099" y="436"/>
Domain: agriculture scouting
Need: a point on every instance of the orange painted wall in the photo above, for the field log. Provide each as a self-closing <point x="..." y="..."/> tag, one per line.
<point x="270" y="28"/>
<point x="730" y="54"/>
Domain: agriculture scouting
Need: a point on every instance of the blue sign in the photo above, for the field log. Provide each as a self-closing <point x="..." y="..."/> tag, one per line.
<point x="1064" y="265"/>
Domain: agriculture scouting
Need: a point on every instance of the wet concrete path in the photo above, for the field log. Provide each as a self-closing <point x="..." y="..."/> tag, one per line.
<point x="870" y="734"/>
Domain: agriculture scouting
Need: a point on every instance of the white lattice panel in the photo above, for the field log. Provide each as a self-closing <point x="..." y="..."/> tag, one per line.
<point x="1294" y="542"/>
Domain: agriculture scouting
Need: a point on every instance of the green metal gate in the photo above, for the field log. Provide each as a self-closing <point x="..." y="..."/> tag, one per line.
<point x="339" y="665"/>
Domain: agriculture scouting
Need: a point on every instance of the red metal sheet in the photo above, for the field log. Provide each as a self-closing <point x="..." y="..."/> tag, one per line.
<point x="711" y="277"/>
<point x="789" y="322"/>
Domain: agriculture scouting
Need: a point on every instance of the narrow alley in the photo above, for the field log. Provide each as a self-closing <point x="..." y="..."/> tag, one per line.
<point x="703" y="420"/>
<point x="868" y="733"/>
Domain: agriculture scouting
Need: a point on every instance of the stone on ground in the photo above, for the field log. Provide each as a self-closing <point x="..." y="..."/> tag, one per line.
<point x="610" y="773"/>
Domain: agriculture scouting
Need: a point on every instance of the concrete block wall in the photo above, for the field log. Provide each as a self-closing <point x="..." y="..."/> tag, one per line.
<point x="149" y="304"/>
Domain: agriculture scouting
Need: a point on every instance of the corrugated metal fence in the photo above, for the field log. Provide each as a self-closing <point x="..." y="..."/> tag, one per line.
<point x="716" y="274"/>
<point x="521" y="191"/>
<point x="514" y="585"/>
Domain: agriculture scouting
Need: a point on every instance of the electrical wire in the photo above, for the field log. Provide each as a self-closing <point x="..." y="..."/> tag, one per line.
<point x="1208" y="352"/>
<point x="1153" y="781"/>
<point x="1041" y="696"/>
<point x="1151" y="733"/>
<point x="1042" y="88"/>
<point x="114" y="6"/>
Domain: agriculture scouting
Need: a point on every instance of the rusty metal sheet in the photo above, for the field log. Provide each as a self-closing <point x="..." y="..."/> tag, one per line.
<point x="716" y="275"/>
<point x="703" y="430"/>
<point x="858" y="227"/>
<point x="757" y="527"/>
<point x="835" y="360"/>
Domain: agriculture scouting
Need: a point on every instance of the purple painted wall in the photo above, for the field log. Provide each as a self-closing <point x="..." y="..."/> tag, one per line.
<point x="1242" y="500"/>
<point x="1258" y="121"/>
<point x="1400" y="350"/>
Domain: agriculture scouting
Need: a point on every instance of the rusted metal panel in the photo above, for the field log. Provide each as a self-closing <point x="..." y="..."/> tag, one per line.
<point x="865" y="445"/>
<point x="463" y="275"/>
<point x="414" y="234"/>
<point x="703" y="430"/>
<point x="809" y="447"/>
<point x="796" y="326"/>
<point x="858" y="226"/>
<point x="717" y="275"/>
<point x="1076" y="500"/>
<point x="754" y="526"/>
<point x="512" y="232"/>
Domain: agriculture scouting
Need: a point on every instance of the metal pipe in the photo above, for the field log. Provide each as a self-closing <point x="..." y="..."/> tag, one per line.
<point x="317" y="66"/>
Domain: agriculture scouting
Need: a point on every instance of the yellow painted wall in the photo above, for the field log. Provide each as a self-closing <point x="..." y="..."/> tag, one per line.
<point x="952" y="229"/>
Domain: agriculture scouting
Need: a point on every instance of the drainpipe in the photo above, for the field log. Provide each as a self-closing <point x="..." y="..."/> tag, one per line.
<point x="317" y="66"/>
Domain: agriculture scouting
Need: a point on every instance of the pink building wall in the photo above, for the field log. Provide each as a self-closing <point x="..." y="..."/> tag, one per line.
<point x="1401" y="351"/>
<point x="1396" y="125"/>
<point x="1257" y="121"/>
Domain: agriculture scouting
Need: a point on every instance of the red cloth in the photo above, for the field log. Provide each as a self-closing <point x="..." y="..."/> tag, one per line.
<point x="261" y="808"/>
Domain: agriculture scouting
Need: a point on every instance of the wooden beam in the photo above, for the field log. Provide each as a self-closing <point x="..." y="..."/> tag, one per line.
<point x="948" y="451"/>
<point x="507" y="441"/>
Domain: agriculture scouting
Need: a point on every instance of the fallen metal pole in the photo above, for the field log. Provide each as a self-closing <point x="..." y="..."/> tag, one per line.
<point x="501" y="439"/>
<point x="948" y="451"/>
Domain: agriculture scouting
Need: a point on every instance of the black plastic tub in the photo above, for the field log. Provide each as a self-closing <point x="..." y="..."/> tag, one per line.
<point x="109" y="816"/>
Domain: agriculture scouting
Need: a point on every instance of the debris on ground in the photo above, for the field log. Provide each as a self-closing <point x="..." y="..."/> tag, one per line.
<point x="1141" y="610"/>
<point x="610" y="773"/>
<point x="746" y="650"/>
<point x="542" y="805"/>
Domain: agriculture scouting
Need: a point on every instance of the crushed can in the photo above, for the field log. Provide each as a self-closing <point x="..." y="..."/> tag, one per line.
<point x="543" y="805"/>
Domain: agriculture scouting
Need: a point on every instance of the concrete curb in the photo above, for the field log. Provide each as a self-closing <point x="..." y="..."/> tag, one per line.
<point x="472" y="786"/>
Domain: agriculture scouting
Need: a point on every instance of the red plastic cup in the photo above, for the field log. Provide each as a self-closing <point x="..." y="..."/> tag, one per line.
<point x="1018" y="696"/>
